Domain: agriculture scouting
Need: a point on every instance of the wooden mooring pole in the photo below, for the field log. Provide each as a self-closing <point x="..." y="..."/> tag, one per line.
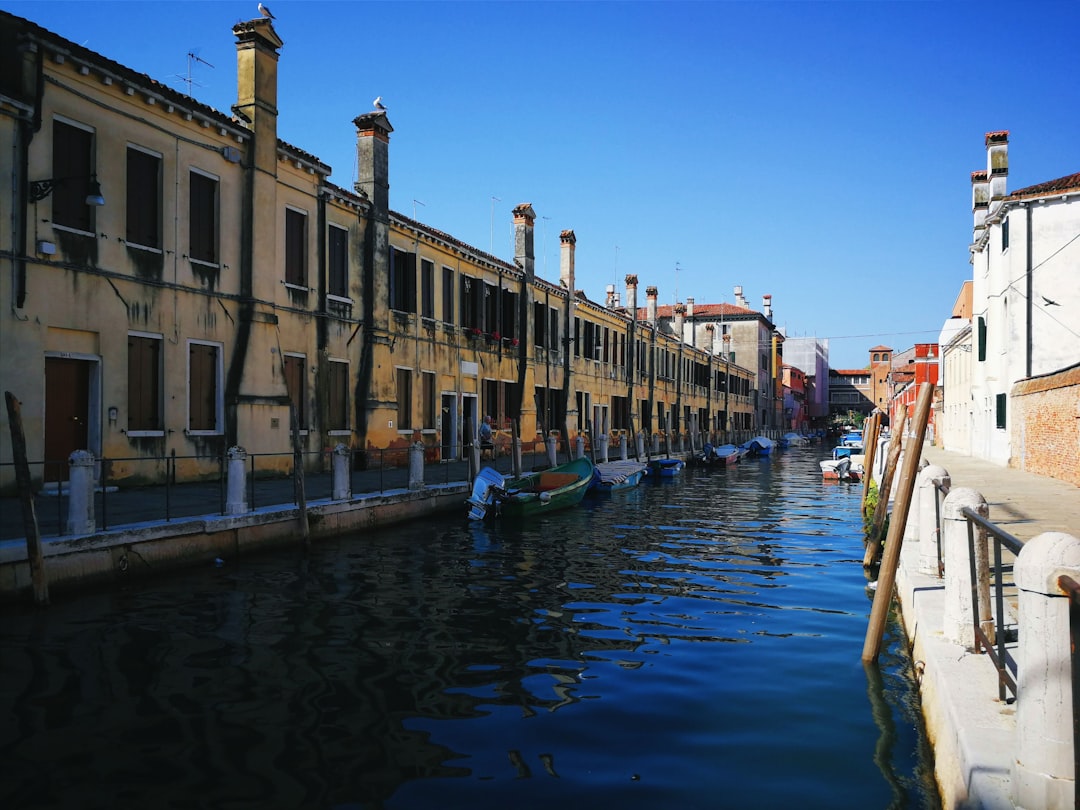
<point x="870" y="443"/>
<point x="879" y="612"/>
<point x="38" y="580"/>
<point x="298" y="477"/>
<point x="881" y="510"/>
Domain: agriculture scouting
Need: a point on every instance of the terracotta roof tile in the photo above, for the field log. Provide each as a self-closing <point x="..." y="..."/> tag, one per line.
<point x="1067" y="184"/>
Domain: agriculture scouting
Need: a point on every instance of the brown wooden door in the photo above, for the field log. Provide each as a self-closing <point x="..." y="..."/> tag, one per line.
<point x="67" y="404"/>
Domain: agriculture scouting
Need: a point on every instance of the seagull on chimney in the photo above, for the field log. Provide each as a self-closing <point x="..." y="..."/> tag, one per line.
<point x="379" y="105"/>
<point x="266" y="12"/>
<point x="1050" y="303"/>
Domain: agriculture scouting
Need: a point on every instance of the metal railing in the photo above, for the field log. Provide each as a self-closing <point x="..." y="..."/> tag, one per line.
<point x="991" y="636"/>
<point x="1071" y="588"/>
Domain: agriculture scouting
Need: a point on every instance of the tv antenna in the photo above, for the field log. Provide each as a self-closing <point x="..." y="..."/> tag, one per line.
<point x="192" y="57"/>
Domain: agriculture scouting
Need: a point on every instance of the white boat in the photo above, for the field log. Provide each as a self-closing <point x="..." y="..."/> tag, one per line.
<point x="836" y="469"/>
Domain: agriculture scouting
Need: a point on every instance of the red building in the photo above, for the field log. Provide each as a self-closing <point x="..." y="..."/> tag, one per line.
<point x="911" y="369"/>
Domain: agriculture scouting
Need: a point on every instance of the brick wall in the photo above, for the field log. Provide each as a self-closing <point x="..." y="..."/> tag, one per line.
<point x="1046" y="425"/>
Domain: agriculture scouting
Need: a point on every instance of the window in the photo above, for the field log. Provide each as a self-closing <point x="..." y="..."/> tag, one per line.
<point x="295" y="384"/>
<point x="982" y="338"/>
<point x="1005" y="234"/>
<point x="143" y="198"/>
<point x="295" y="247"/>
<point x="72" y="166"/>
<point x="491" y="308"/>
<point x="1000" y="402"/>
<point x="203" y="217"/>
<point x="144" y="383"/>
<point x="337" y="249"/>
<point x="508" y="324"/>
<point x="448" y="294"/>
<point x="404" y="399"/>
<point x="553" y="328"/>
<point x="204" y="387"/>
<point x="539" y="324"/>
<point x="470" y="302"/>
<point x="337" y="388"/>
<point x="427" y="401"/>
<point x="427" y="289"/>
<point x="402" y="280"/>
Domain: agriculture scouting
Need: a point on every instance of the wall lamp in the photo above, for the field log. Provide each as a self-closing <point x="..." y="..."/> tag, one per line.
<point x="40" y="189"/>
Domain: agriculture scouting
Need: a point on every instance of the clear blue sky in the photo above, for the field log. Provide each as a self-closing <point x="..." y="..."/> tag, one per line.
<point x="817" y="151"/>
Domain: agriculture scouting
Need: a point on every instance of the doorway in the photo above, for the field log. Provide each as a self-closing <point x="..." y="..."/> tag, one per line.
<point x="448" y="426"/>
<point x="71" y="418"/>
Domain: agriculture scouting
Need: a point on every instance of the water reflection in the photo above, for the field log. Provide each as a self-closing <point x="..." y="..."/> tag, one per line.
<point x="664" y="647"/>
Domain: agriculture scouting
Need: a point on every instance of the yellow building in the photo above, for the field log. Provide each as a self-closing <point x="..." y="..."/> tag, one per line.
<point x="178" y="281"/>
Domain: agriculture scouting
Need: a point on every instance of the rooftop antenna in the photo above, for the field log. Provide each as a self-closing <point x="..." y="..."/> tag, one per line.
<point x="491" y="237"/>
<point x="192" y="57"/>
<point x="677" y="268"/>
<point x="414" y="204"/>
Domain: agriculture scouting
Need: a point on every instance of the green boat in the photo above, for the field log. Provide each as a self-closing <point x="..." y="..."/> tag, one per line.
<point x="532" y="494"/>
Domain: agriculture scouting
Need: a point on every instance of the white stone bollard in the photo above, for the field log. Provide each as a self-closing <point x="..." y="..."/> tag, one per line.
<point x="579" y="446"/>
<point x="602" y="447"/>
<point x="656" y="444"/>
<point x="342" y="476"/>
<point x="958" y="615"/>
<point x="929" y="530"/>
<point x="639" y="445"/>
<point x="80" y="519"/>
<point x="416" y="466"/>
<point x="552" y="450"/>
<point x="1043" y="771"/>
<point x="236" y="482"/>
<point x="623" y="446"/>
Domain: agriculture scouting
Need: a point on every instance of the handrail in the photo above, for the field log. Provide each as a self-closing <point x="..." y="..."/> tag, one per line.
<point x="995" y="648"/>
<point x="940" y="488"/>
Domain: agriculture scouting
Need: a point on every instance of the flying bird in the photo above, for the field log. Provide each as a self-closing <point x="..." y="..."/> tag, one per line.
<point x="1050" y="303"/>
<point x="266" y="12"/>
<point x="378" y="104"/>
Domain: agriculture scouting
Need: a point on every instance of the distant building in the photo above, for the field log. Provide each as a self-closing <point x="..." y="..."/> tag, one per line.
<point x="811" y="355"/>
<point x="748" y="339"/>
<point x="954" y="411"/>
<point x="850" y="392"/>
<point x="881" y="367"/>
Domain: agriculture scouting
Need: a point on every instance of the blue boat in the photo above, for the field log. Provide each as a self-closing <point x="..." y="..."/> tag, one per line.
<point x="759" y="446"/>
<point x="666" y="467"/>
<point x="614" y="476"/>
<point x="719" y="456"/>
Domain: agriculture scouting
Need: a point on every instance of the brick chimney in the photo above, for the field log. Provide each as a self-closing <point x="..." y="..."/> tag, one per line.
<point x="524" y="220"/>
<point x="567" y="247"/>
<point x="631" y="295"/>
<point x="650" y="296"/>
<point x="257" y="86"/>
<point x="980" y="202"/>
<point x="997" y="163"/>
<point x="373" y="161"/>
<point x="739" y="300"/>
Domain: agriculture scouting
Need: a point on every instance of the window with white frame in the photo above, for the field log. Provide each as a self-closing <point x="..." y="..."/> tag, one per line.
<point x="202" y="217"/>
<point x="144" y="413"/>
<point x="143" y="198"/>
<point x="72" y="172"/>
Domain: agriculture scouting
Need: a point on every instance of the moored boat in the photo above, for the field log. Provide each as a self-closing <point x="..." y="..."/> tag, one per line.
<point x="794" y="440"/>
<point x="666" y="467"/>
<point x="835" y="469"/>
<point x="613" y="476"/>
<point x="759" y="446"/>
<point x="545" y="491"/>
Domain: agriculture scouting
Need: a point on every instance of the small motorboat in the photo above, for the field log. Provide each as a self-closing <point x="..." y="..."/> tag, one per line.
<point x="666" y="467"/>
<point x="836" y="469"/>
<point x="545" y="491"/>
<point x="794" y="440"/>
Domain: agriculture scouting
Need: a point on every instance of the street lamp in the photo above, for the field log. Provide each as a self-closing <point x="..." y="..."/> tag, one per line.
<point x="40" y="189"/>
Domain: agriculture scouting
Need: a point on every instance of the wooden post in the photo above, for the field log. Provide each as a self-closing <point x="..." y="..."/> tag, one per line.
<point x="879" y="613"/>
<point x="34" y="553"/>
<point x="298" y="477"/>
<point x="873" y="540"/>
<point x="870" y="442"/>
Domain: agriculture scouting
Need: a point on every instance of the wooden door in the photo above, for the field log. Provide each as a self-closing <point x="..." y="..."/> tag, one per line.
<point x="67" y="405"/>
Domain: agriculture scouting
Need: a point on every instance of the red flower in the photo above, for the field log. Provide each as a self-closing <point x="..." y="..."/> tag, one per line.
<point x="496" y="336"/>
<point x="476" y="331"/>
<point x="514" y="342"/>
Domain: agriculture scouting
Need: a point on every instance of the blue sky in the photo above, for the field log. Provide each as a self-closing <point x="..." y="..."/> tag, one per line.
<point x="817" y="151"/>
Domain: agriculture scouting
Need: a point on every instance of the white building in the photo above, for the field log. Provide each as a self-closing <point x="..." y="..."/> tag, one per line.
<point x="811" y="356"/>
<point x="1025" y="257"/>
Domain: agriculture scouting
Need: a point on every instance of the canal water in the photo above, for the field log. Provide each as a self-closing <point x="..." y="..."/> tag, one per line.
<point x="693" y="643"/>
